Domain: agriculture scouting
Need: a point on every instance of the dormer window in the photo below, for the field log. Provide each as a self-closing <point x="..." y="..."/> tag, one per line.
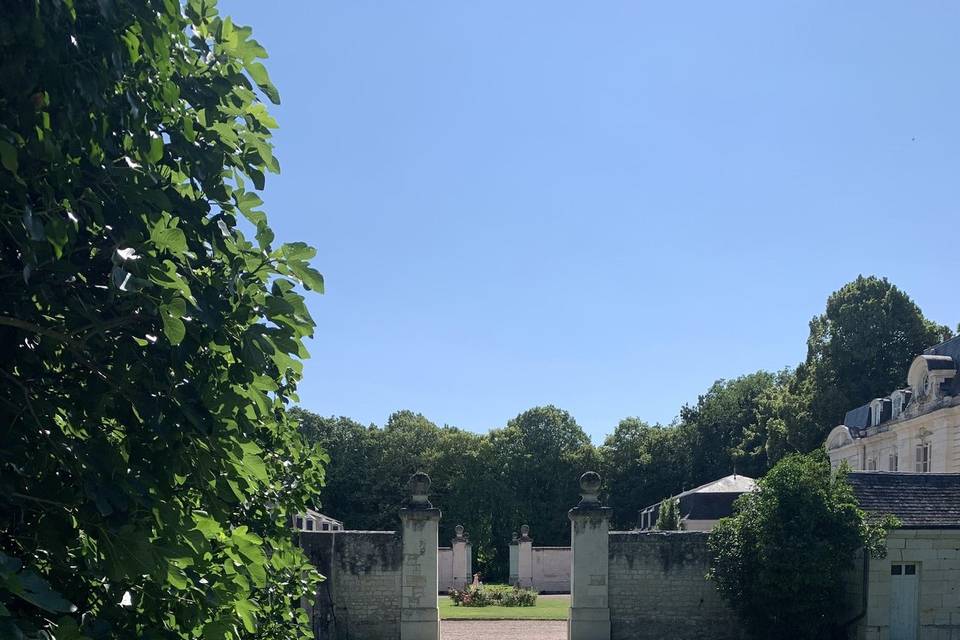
<point x="877" y="411"/>
<point x="892" y="461"/>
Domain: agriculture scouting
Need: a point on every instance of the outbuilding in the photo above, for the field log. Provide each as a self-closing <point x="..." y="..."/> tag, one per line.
<point x="913" y="593"/>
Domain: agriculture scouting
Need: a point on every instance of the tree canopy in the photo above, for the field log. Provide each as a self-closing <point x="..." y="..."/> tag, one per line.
<point x="148" y="467"/>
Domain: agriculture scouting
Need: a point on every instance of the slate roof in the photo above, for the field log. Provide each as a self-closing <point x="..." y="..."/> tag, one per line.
<point x="858" y="418"/>
<point x="733" y="483"/>
<point x="950" y="348"/>
<point x="919" y="500"/>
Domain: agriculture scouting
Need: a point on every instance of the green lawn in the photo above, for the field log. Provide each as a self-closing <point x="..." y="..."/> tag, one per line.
<point x="547" y="608"/>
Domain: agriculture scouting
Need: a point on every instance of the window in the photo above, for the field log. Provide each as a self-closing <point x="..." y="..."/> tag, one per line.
<point x="309" y="525"/>
<point x="892" y="461"/>
<point x="325" y="526"/>
<point x="876" y="411"/>
<point x="872" y="464"/>
<point x="923" y="458"/>
<point x="299" y="523"/>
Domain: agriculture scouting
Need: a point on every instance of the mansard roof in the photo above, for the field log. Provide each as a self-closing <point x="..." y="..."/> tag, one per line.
<point x="950" y="348"/>
<point x="919" y="500"/>
<point x="942" y="357"/>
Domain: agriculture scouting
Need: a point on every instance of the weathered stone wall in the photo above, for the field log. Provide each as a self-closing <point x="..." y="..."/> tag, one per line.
<point x="551" y="569"/>
<point x="361" y="596"/>
<point x="658" y="588"/>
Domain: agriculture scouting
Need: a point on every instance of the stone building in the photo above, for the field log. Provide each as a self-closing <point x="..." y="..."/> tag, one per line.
<point x="315" y="521"/>
<point x="913" y="593"/>
<point x="914" y="429"/>
<point x="702" y="507"/>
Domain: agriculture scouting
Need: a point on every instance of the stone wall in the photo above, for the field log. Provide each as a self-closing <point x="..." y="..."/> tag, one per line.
<point x="551" y="569"/>
<point x="658" y="588"/>
<point x="360" y="597"/>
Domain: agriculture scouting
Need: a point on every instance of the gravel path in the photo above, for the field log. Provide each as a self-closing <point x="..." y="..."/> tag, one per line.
<point x="503" y="630"/>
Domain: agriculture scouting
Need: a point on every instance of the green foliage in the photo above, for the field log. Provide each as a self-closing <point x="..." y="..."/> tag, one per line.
<point x="715" y="429"/>
<point x="148" y="467"/>
<point x="540" y="456"/>
<point x="780" y="561"/>
<point x="668" y="516"/>
<point x="860" y="348"/>
<point x="641" y="463"/>
<point x="493" y="596"/>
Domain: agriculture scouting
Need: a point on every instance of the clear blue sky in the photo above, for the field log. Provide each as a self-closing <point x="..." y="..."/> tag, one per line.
<point x="601" y="205"/>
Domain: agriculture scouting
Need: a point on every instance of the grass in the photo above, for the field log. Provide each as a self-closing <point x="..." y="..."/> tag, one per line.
<point x="547" y="608"/>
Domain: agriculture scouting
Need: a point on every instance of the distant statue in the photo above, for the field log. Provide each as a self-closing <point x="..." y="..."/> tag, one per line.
<point x="476" y="580"/>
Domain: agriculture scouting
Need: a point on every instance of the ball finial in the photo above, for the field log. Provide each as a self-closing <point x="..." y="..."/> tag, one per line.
<point x="419" y="486"/>
<point x="590" y="488"/>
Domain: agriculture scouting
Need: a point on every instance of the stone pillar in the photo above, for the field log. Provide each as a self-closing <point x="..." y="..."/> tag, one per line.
<point x="462" y="559"/>
<point x="515" y="560"/>
<point x="589" y="617"/>
<point x="419" y="615"/>
<point x="525" y="558"/>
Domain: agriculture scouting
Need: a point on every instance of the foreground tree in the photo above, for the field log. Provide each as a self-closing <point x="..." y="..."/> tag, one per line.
<point x="780" y="561"/>
<point x="148" y="466"/>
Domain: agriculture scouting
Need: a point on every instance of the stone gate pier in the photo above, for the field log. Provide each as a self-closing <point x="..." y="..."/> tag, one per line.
<point x="380" y="585"/>
<point x="419" y="615"/>
<point x="589" y="617"/>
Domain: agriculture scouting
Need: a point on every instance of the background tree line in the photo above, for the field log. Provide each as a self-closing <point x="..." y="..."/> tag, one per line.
<point x="859" y="348"/>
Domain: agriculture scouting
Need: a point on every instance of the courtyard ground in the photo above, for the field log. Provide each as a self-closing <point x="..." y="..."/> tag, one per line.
<point x="503" y="629"/>
<point x="547" y="608"/>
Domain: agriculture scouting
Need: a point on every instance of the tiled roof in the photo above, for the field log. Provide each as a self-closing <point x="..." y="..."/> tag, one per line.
<point x="919" y="500"/>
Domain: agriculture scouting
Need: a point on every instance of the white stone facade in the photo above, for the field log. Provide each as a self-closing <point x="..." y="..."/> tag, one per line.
<point x="927" y="443"/>
<point x="915" y="429"/>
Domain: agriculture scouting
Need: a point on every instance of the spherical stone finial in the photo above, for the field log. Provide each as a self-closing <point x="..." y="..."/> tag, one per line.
<point x="419" y="486"/>
<point x="458" y="530"/>
<point x="590" y="488"/>
<point x="515" y="537"/>
<point x="525" y="530"/>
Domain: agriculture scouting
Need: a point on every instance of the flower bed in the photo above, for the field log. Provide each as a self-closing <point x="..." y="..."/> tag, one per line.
<point x="493" y="595"/>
